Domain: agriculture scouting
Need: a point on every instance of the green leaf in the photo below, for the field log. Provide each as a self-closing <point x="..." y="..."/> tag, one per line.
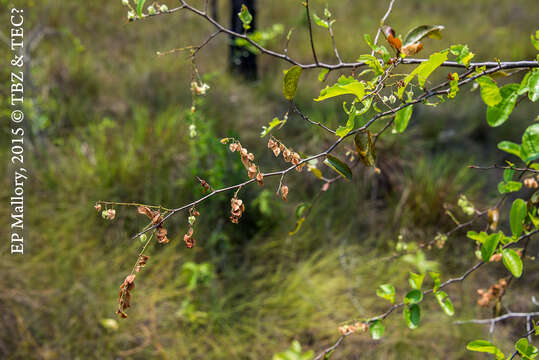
<point x="376" y="329"/>
<point x="338" y="166"/>
<point x="535" y="40"/>
<point x="533" y="86"/>
<point x="436" y="279"/>
<point x="517" y="215"/>
<point x="509" y="147"/>
<point x="525" y="349"/>
<point x="342" y="131"/>
<point x="140" y="6"/>
<point x="489" y="246"/>
<point x="479" y="237"/>
<point x="530" y="144"/>
<point x="290" y="81"/>
<point x="508" y="175"/>
<point x="453" y="85"/>
<point x="365" y="147"/>
<point x="509" y="187"/>
<point x="499" y="113"/>
<point x="245" y="17"/>
<point x="320" y="22"/>
<point x="445" y="302"/>
<point x="386" y="291"/>
<point x="462" y="53"/>
<point x="485" y="346"/>
<point x="424" y="70"/>
<point x="419" y="32"/>
<point x="412" y="315"/>
<point x="373" y="63"/>
<point x="322" y="74"/>
<point x="272" y="124"/>
<point x="416" y="280"/>
<point x="402" y="118"/>
<point x="414" y="296"/>
<point x="490" y="93"/>
<point x="345" y="85"/>
<point x="512" y="262"/>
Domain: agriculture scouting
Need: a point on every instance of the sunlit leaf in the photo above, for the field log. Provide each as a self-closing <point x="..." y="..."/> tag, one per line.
<point x="290" y="81"/>
<point x="512" y="262"/>
<point x="272" y="124"/>
<point x="499" y="113"/>
<point x="320" y="22"/>
<point x="490" y="93"/>
<point x="373" y="63"/>
<point x="376" y="329"/>
<point x="140" y="6"/>
<point x="386" y="291"/>
<point x="416" y="280"/>
<point x="526" y="350"/>
<point x="414" y="296"/>
<point x="342" y="131"/>
<point x="530" y="144"/>
<point x="485" y="346"/>
<point x="322" y="74"/>
<point x="436" y="279"/>
<point x="445" y="302"/>
<point x="509" y="147"/>
<point x="338" y="166"/>
<point x="516" y="217"/>
<point x="462" y="53"/>
<point x="245" y="17"/>
<point x="424" y="70"/>
<point x="533" y="86"/>
<point x="402" y="118"/>
<point x="343" y="86"/>
<point x="488" y="247"/>
<point x="509" y="187"/>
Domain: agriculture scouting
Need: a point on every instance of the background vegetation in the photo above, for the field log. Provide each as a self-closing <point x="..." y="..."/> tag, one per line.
<point x="109" y="120"/>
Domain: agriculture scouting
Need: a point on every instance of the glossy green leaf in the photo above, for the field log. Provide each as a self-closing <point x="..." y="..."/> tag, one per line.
<point x="338" y="166"/>
<point x="462" y="53"/>
<point x="509" y="147"/>
<point x="416" y="280"/>
<point x="529" y="150"/>
<point x="419" y="32"/>
<point x="413" y="297"/>
<point x="342" y="131"/>
<point x="499" y="113"/>
<point x="509" y="187"/>
<point x="402" y="118"/>
<point x="533" y="86"/>
<point x="489" y="246"/>
<point x="516" y="217"/>
<point x="140" y="6"/>
<point x="344" y="86"/>
<point x="525" y="349"/>
<point x="490" y="93"/>
<point x="508" y="175"/>
<point x="386" y="291"/>
<point x="290" y="81"/>
<point x="245" y="17"/>
<point x="512" y="262"/>
<point x="365" y="147"/>
<point x="377" y="329"/>
<point x="485" y="346"/>
<point x="445" y="302"/>
<point x="412" y="315"/>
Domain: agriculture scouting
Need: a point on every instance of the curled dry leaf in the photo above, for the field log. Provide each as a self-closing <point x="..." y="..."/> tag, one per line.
<point x="389" y="34"/>
<point x="236" y="209"/>
<point x="412" y="49"/>
<point x="141" y="262"/>
<point x="188" y="238"/>
<point x="493" y="293"/>
<point x="260" y="179"/>
<point x="161" y="235"/>
<point x="284" y="192"/>
<point x="124" y="298"/>
<point x="204" y="184"/>
<point x="251" y="171"/>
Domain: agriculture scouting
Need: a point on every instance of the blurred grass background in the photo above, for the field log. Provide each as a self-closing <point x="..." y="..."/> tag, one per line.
<point x="108" y="119"/>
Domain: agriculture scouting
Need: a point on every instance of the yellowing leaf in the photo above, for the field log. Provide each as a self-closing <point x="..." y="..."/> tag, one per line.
<point x="290" y="81"/>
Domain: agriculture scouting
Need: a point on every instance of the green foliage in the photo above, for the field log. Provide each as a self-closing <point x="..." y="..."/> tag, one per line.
<point x="140" y="6"/>
<point x="485" y="346"/>
<point x="402" y="118"/>
<point x="499" y="113"/>
<point x="414" y="296"/>
<point x="386" y="291"/>
<point x="512" y="262"/>
<point x="424" y="70"/>
<point x="245" y="17"/>
<point x="338" y="166"/>
<point x="416" y="280"/>
<point x="526" y="350"/>
<point x="290" y="81"/>
<point x="377" y="329"/>
<point x="489" y="246"/>
<point x="294" y="353"/>
<point x="517" y="215"/>
<point x="345" y="85"/>
<point x="445" y="302"/>
<point x="462" y="53"/>
<point x="490" y="93"/>
<point x="412" y="315"/>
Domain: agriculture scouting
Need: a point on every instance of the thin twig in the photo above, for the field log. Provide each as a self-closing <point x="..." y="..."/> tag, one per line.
<point x="382" y="23"/>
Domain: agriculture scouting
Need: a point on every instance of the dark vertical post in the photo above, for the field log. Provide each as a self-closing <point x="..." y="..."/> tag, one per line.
<point x="241" y="60"/>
